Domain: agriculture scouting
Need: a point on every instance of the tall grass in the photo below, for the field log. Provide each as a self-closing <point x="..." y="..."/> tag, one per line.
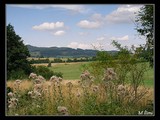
<point x="96" y="99"/>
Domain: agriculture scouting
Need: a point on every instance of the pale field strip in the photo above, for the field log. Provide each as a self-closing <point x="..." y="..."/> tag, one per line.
<point x="53" y="64"/>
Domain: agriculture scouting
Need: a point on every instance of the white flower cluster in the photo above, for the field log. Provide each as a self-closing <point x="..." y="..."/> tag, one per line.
<point x="109" y="74"/>
<point x="37" y="79"/>
<point x="12" y="102"/>
<point x="34" y="94"/>
<point x="62" y="110"/>
<point x="55" y="79"/>
<point x="121" y="90"/>
<point x="17" y="83"/>
<point x="86" y="78"/>
<point x="33" y="76"/>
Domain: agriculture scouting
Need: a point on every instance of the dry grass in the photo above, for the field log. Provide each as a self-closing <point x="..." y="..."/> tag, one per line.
<point x="70" y="95"/>
<point x="26" y="84"/>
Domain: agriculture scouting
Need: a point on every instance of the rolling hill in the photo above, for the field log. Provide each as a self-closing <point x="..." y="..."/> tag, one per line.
<point x="60" y="52"/>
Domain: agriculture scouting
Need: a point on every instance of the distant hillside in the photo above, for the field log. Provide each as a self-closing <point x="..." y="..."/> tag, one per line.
<point x="60" y="52"/>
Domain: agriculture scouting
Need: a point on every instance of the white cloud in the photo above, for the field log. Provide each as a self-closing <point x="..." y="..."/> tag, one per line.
<point x="83" y="33"/>
<point x="126" y="37"/>
<point x="89" y="24"/>
<point x="48" y="26"/>
<point x="59" y="33"/>
<point x="123" y="14"/>
<point x="75" y="8"/>
<point x="97" y="17"/>
<point x="76" y="45"/>
<point x="101" y="38"/>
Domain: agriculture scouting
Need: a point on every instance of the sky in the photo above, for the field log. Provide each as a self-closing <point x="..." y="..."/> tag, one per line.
<point x="85" y="26"/>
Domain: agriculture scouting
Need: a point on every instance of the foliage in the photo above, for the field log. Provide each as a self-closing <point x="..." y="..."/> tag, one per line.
<point x="17" y="53"/>
<point x="145" y="27"/>
<point x="19" y="74"/>
<point x="46" y="72"/>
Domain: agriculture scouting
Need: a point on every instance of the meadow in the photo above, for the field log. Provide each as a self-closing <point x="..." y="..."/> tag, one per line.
<point x="72" y="71"/>
<point x="75" y="96"/>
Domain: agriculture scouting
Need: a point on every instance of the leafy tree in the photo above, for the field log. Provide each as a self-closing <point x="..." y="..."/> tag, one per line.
<point x="145" y="20"/>
<point x="17" y="53"/>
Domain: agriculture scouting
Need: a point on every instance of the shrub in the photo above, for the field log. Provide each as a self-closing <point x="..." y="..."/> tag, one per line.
<point x="19" y="74"/>
<point x="46" y="72"/>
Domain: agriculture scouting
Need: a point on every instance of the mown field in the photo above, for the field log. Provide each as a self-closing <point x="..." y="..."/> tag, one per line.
<point x="72" y="71"/>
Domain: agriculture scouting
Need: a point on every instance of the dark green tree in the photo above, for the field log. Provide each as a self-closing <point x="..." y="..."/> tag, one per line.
<point x="145" y="27"/>
<point x="17" y="54"/>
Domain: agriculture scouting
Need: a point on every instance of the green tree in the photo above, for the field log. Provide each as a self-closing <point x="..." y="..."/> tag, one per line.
<point x="17" y="54"/>
<point x="145" y="27"/>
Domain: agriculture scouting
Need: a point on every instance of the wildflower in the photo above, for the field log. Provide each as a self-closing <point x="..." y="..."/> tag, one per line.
<point x="12" y="103"/>
<point x="37" y="94"/>
<point x="17" y="82"/>
<point x="37" y="81"/>
<point x="60" y="79"/>
<point x="40" y="78"/>
<point x="78" y="93"/>
<point x="121" y="90"/>
<point x="30" y="93"/>
<point x="95" y="88"/>
<point x="62" y="110"/>
<point x="53" y="78"/>
<point x="10" y="94"/>
<point x="14" y="100"/>
<point x="37" y="87"/>
<point x="109" y="74"/>
<point x="33" y="76"/>
<point x="69" y="84"/>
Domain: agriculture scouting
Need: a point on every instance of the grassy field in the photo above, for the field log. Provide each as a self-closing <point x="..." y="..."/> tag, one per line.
<point x="72" y="71"/>
<point x="149" y="78"/>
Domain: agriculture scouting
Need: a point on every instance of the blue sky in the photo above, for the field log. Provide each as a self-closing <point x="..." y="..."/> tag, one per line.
<point x="75" y="25"/>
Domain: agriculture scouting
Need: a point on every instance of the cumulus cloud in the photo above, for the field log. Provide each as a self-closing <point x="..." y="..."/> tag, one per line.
<point x="89" y="24"/>
<point x="76" y="45"/>
<point x="59" y="33"/>
<point x="75" y="8"/>
<point x="126" y="37"/>
<point x="48" y="26"/>
<point x="123" y="14"/>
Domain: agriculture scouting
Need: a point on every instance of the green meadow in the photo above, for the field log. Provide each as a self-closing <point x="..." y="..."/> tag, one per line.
<point x="72" y="71"/>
